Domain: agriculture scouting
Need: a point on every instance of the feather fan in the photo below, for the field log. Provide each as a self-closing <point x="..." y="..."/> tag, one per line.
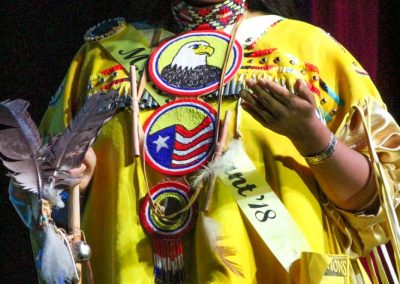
<point x="43" y="169"/>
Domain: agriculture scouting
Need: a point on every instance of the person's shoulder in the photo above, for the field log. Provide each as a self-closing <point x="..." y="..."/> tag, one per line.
<point x="260" y="23"/>
<point x="301" y="26"/>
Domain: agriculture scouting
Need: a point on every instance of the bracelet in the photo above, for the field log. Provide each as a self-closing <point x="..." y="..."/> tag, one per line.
<point x="324" y="154"/>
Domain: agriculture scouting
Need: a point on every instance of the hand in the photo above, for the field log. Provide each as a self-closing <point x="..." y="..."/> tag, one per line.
<point x="292" y="115"/>
<point x="85" y="171"/>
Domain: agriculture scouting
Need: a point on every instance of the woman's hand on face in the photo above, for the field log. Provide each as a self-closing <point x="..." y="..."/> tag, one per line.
<point x="86" y="170"/>
<point x="292" y="115"/>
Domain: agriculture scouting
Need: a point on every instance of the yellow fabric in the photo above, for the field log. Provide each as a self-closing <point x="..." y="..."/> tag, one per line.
<point x="384" y="133"/>
<point x="121" y="248"/>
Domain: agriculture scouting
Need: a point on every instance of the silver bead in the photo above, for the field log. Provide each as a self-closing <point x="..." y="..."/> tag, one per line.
<point x="82" y="251"/>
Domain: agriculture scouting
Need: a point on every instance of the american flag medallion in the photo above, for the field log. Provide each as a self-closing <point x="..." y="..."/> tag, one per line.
<point x="191" y="63"/>
<point x="179" y="136"/>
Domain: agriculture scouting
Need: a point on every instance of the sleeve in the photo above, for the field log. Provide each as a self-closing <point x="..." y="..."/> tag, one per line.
<point x="349" y="86"/>
<point x="369" y="230"/>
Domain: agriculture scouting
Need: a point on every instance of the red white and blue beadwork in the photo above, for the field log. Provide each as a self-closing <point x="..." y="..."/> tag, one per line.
<point x="179" y="136"/>
<point x="172" y="196"/>
<point x="191" y="63"/>
<point x="167" y="234"/>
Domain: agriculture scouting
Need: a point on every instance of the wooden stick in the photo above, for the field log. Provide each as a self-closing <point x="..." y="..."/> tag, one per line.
<point x="222" y="136"/>
<point x="74" y="221"/>
<point x="142" y="85"/>
<point x="135" y="112"/>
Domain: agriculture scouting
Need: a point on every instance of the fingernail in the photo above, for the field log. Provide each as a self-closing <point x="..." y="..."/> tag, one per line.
<point x="302" y="82"/>
<point x="244" y="105"/>
<point x="263" y="80"/>
<point x="251" y="82"/>
<point x="243" y="93"/>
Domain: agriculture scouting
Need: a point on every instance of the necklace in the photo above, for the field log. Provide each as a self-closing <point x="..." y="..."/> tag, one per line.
<point x="211" y="17"/>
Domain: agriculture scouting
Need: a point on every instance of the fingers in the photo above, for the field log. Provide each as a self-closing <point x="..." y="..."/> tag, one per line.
<point x="278" y="92"/>
<point x="250" y="105"/>
<point x="89" y="161"/>
<point x="78" y="172"/>
<point x="302" y="90"/>
<point x="263" y="97"/>
<point x="85" y="170"/>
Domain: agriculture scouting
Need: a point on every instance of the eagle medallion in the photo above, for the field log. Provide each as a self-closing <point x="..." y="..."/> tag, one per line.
<point x="191" y="63"/>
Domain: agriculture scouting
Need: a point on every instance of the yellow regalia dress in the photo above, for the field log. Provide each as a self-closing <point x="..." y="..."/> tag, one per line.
<point x="122" y="251"/>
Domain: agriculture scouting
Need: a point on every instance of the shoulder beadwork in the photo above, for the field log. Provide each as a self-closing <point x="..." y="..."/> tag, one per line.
<point x="105" y="29"/>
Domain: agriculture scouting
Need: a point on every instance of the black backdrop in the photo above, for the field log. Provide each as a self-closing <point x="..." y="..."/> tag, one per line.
<point x="38" y="41"/>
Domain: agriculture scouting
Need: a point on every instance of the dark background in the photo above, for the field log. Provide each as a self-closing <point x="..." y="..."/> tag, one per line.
<point x="40" y="38"/>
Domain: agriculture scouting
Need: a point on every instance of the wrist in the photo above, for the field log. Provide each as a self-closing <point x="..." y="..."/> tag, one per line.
<point x="321" y="156"/>
<point x="312" y="139"/>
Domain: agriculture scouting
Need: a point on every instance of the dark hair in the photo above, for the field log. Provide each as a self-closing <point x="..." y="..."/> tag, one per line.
<point x="284" y="8"/>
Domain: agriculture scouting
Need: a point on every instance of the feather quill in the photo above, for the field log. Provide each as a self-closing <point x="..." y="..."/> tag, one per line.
<point x="67" y="150"/>
<point x="43" y="169"/>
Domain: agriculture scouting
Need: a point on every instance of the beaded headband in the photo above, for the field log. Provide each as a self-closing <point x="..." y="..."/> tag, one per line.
<point x="211" y="17"/>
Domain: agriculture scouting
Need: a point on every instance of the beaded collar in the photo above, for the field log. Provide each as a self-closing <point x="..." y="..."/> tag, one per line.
<point x="211" y="17"/>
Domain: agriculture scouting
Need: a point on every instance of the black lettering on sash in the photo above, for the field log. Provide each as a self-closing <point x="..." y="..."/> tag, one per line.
<point x="136" y="55"/>
<point x="239" y="182"/>
<point x="263" y="215"/>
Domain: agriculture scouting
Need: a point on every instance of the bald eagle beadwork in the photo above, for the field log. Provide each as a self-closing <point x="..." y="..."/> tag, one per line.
<point x="190" y="64"/>
<point x="189" y="68"/>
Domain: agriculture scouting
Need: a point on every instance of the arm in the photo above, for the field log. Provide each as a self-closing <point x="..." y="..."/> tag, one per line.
<point x="343" y="176"/>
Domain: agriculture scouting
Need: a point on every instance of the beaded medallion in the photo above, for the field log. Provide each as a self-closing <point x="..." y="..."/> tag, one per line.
<point x="179" y="136"/>
<point x="167" y="234"/>
<point x="191" y="63"/>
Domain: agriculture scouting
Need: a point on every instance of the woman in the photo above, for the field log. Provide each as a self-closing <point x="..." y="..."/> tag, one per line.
<point x="298" y="83"/>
